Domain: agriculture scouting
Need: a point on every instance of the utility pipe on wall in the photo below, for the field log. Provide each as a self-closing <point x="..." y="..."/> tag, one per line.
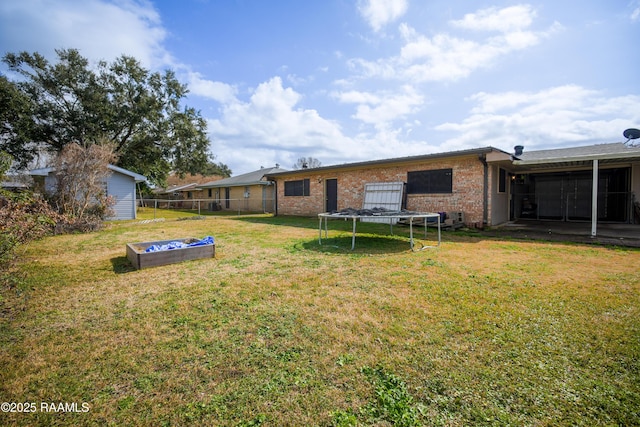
<point x="594" y="200"/>
<point x="485" y="190"/>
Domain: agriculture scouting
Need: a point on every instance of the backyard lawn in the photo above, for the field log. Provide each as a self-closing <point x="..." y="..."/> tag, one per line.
<point x="278" y="330"/>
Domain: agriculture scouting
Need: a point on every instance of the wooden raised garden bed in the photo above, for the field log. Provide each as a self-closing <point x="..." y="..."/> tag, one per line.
<point x="141" y="259"/>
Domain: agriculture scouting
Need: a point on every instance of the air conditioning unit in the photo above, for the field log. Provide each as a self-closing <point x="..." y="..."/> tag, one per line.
<point x="457" y="217"/>
<point x="454" y="219"/>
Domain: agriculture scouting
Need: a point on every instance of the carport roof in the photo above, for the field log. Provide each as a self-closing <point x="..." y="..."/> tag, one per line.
<point x="577" y="156"/>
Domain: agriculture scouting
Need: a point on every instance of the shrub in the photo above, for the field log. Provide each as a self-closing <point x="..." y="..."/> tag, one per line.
<point x="23" y="217"/>
<point x="81" y="174"/>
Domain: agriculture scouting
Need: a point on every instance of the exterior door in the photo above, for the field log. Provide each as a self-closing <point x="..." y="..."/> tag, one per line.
<point x="331" y="189"/>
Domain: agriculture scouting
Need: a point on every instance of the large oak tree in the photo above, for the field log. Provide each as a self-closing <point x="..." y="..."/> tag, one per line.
<point x="71" y="101"/>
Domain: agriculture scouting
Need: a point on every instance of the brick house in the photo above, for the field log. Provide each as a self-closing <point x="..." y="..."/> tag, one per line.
<point x="249" y="192"/>
<point x="460" y="181"/>
<point x="488" y="185"/>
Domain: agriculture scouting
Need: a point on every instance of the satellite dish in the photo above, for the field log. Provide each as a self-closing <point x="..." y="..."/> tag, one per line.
<point x="631" y="134"/>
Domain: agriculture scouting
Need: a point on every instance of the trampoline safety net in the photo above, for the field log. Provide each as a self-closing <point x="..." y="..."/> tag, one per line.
<point x="385" y="195"/>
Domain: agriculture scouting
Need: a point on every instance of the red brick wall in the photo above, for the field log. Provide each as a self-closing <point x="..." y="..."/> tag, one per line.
<point x="467" y="196"/>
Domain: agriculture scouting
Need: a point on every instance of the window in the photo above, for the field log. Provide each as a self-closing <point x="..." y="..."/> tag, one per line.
<point x="502" y="181"/>
<point x="431" y="181"/>
<point x="210" y="192"/>
<point x="296" y="188"/>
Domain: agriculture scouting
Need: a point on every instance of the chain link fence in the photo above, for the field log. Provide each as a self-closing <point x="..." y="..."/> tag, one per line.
<point x="203" y="206"/>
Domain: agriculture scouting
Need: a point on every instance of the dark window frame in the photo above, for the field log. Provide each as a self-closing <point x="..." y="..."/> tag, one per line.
<point x="432" y="181"/>
<point x="297" y="188"/>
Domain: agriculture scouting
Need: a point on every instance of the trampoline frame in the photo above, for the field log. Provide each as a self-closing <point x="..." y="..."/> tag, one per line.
<point x="410" y="216"/>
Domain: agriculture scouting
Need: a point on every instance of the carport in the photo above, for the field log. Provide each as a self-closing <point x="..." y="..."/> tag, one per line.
<point x="593" y="184"/>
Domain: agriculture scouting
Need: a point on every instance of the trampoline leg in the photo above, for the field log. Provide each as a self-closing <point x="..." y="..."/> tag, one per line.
<point x="411" y="232"/>
<point x="353" y="238"/>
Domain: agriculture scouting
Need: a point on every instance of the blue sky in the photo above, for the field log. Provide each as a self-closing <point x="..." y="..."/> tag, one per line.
<point x="346" y="81"/>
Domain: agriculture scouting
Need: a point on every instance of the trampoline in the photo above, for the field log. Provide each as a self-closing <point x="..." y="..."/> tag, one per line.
<point x="380" y="215"/>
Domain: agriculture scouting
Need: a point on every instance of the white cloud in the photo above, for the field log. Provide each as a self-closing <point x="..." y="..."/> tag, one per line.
<point x="379" y="13"/>
<point x="563" y="115"/>
<point x="444" y="57"/>
<point x="383" y="107"/>
<point x="553" y="99"/>
<point x="356" y="97"/>
<point x="272" y="122"/>
<point x="99" y="29"/>
<point x="218" y="91"/>
<point x="270" y="128"/>
<point x="508" y="19"/>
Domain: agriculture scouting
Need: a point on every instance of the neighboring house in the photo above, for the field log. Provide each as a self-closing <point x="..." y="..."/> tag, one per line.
<point x="488" y="185"/>
<point x="249" y="192"/>
<point x="121" y="185"/>
<point x="184" y="188"/>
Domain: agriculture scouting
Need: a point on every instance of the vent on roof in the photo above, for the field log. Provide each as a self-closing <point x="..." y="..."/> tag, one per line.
<point x="518" y="150"/>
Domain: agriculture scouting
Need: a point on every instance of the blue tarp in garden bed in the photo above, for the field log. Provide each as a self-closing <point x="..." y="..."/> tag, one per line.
<point x="179" y="245"/>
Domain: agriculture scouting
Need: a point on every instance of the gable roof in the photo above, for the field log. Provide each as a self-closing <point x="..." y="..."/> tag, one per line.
<point x="136" y="176"/>
<point x="250" y="178"/>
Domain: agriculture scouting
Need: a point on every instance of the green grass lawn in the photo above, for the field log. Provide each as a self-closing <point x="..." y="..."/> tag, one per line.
<point x="278" y="330"/>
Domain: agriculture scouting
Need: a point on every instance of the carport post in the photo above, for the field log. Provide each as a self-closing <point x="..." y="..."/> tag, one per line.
<point x="594" y="200"/>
